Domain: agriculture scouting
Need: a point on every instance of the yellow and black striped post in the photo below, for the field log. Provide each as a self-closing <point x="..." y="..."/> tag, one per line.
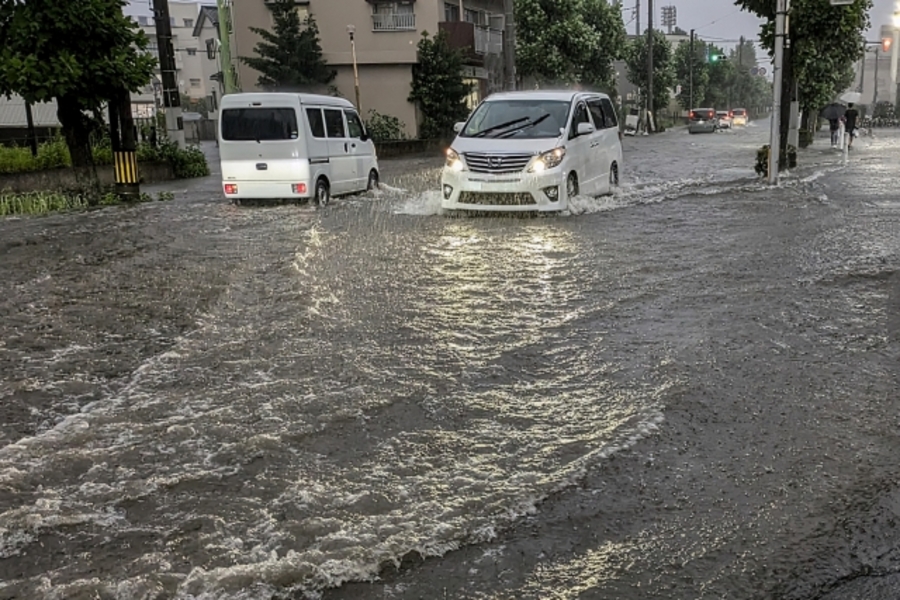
<point x="127" y="178"/>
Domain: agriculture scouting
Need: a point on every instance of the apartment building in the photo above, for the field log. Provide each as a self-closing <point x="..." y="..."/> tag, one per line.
<point x="192" y="74"/>
<point x="386" y="34"/>
<point x="873" y="73"/>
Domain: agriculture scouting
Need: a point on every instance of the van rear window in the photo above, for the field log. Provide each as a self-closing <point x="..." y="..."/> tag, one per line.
<point x="259" y="124"/>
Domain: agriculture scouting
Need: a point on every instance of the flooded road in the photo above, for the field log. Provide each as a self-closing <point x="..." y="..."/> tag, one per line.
<point x="685" y="390"/>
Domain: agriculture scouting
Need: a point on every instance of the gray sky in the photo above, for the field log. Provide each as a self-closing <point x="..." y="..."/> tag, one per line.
<point x="717" y="20"/>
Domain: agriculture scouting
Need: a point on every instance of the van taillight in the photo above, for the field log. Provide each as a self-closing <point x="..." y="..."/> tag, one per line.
<point x="298" y="188"/>
<point x="691" y="116"/>
<point x="231" y="188"/>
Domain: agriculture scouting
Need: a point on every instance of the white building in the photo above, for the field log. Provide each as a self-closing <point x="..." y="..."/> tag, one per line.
<point x="866" y="81"/>
<point x="190" y="53"/>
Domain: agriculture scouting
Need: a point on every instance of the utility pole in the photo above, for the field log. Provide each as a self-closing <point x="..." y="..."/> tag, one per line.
<point x="509" y="43"/>
<point x="123" y="138"/>
<point x="171" y="96"/>
<point x="351" y="29"/>
<point x="225" y="47"/>
<point x="691" y="71"/>
<point x="875" y="91"/>
<point x="32" y="135"/>
<point x="778" y="68"/>
<point x="650" y="115"/>
<point x="637" y="16"/>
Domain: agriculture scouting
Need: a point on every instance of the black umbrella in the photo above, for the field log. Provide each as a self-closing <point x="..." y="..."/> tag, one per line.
<point x="834" y="110"/>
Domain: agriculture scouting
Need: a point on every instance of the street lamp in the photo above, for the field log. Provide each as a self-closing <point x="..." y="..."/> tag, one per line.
<point x="351" y="30"/>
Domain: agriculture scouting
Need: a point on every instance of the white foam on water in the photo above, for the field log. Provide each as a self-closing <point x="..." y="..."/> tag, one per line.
<point x="420" y="205"/>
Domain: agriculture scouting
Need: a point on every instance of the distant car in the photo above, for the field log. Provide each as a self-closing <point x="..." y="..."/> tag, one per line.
<point x="724" y="119"/>
<point x="739" y="117"/>
<point x="702" y="120"/>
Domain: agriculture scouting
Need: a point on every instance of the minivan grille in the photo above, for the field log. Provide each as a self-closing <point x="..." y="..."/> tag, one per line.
<point x="497" y="163"/>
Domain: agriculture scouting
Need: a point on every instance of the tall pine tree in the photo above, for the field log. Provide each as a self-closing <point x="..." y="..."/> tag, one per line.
<point x="290" y="55"/>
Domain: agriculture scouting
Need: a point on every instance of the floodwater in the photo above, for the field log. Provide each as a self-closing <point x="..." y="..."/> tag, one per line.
<point x="684" y="390"/>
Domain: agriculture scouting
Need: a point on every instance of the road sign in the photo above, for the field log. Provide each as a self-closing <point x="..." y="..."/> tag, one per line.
<point x="762" y="70"/>
<point x="754" y="70"/>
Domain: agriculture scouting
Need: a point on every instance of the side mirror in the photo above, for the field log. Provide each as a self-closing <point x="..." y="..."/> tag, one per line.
<point x="585" y="129"/>
<point x="458" y="127"/>
<point x="364" y="137"/>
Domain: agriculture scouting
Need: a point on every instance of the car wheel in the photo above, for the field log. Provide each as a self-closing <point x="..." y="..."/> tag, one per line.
<point x="572" y="185"/>
<point x="613" y="176"/>
<point x="323" y="193"/>
<point x="373" y="181"/>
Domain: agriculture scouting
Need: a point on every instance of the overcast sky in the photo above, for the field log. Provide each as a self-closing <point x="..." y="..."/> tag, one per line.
<point x="717" y="20"/>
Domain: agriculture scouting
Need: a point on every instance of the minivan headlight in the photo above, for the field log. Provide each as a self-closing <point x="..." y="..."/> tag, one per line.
<point x="454" y="160"/>
<point x="547" y="160"/>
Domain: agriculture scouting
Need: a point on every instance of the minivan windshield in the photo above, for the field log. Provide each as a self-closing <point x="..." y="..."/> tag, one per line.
<point x="259" y="124"/>
<point x="519" y="119"/>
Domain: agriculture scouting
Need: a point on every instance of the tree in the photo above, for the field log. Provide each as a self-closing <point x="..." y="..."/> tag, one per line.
<point x="663" y="68"/>
<point x="721" y="77"/>
<point x="682" y="60"/>
<point x="552" y="38"/>
<point x="438" y="86"/>
<point x="605" y="20"/>
<point x="823" y="41"/>
<point x="289" y="56"/>
<point x="80" y="54"/>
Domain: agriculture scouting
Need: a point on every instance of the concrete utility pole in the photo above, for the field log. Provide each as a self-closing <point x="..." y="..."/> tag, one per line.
<point x="225" y="47"/>
<point x="351" y="30"/>
<point x="171" y="95"/>
<point x="778" y="72"/>
<point x="637" y="17"/>
<point x="123" y="138"/>
<point x="650" y="119"/>
<point x="875" y="91"/>
<point x="509" y="43"/>
<point x="691" y="71"/>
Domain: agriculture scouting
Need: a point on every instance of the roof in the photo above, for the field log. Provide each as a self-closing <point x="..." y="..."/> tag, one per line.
<point x="245" y="97"/>
<point x="565" y="95"/>
<point x="12" y="113"/>
<point x="207" y="13"/>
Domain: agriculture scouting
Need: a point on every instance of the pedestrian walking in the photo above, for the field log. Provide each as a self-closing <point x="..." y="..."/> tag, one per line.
<point x="852" y="116"/>
<point x="835" y="125"/>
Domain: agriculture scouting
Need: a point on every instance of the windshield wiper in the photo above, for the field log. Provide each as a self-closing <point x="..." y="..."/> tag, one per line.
<point x="484" y="132"/>
<point x="525" y="126"/>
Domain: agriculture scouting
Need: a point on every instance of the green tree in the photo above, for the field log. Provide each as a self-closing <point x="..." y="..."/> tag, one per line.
<point x="80" y="54"/>
<point x="721" y="78"/>
<point x="289" y="56"/>
<point x="605" y="21"/>
<point x="553" y="40"/>
<point x="683" y="59"/>
<point x="438" y="86"/>
<point x="823" y="41"/>
<point x="663" y="67"/>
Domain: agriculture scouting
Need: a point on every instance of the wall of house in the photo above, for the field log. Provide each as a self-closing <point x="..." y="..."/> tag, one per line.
<point x="384" y="88"/>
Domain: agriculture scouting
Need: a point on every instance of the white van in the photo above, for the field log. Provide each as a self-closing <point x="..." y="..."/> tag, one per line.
<point x="533" y="151"/>
<point x="275" y="145"/>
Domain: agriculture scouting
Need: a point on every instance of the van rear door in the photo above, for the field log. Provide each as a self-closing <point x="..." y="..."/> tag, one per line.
<point x="261" y="143"/>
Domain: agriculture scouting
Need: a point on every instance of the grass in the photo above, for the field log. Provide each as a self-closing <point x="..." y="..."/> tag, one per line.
<point x="43" y="203"/>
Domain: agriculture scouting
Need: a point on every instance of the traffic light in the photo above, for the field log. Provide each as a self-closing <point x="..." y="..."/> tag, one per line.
<point x="886" y="44"/>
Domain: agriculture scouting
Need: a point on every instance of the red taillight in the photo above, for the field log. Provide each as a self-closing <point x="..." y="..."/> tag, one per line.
<point x="691" y="116"/>
<point x="298" y="188"/>
<point x="231" y="188"/>
<point x="730" y="113"/>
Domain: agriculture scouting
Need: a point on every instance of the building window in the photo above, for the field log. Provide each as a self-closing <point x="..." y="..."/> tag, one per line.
<point x="189" y="23"/>
<point x="393" y="16"/>
<point x="195" y="83"/>
<point x="143" y="21"/>
<point x="451" y="12"/>
<point x="192" y="52"/>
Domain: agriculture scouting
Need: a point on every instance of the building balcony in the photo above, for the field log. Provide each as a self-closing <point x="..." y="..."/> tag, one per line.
<point x="474" y="41"/>
<point x="394" y="22"/>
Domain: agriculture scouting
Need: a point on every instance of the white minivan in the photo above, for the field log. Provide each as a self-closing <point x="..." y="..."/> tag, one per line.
<point x="533" y="151"/>
<point x="279" y="145"/>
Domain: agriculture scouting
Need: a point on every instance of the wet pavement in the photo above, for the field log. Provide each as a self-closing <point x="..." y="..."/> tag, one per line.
<point x="685" y="390"/>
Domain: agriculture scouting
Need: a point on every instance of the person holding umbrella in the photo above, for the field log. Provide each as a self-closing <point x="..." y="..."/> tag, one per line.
<point x="834" y="112"/>
<point x="851" y="115"/>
